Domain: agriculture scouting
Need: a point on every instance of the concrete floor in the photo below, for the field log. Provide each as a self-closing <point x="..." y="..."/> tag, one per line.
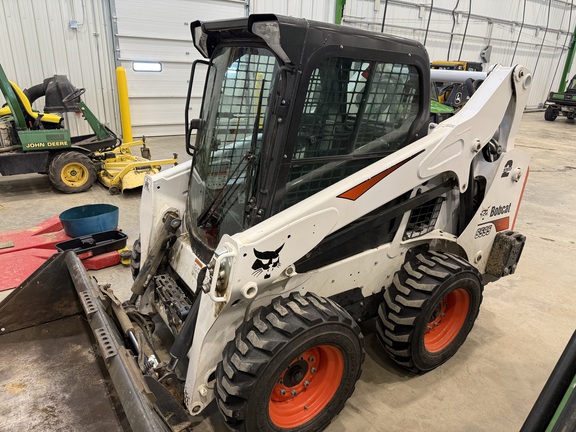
<point x="524" y="323"/>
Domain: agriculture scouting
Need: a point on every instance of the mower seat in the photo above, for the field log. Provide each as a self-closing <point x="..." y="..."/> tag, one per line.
<point x="49" y="120"/>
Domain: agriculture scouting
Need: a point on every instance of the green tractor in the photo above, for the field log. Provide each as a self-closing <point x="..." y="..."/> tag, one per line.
<point x="35" y="142"/>
<point x="562" y="103"/>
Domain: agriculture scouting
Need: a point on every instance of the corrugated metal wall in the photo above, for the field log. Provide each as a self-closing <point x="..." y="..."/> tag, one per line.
<point x="318" y="10"/>
<point x="38" y="42"/>
<point x="535" y="33"/>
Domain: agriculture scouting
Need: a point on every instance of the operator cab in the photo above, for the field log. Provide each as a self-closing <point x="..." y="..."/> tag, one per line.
<point x="291" y="107"/>
<point x="571" y="88"/>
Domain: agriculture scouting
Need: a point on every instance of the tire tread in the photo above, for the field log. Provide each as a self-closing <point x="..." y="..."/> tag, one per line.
<point x="258" y="340"/>
<point x="412" y="286"/>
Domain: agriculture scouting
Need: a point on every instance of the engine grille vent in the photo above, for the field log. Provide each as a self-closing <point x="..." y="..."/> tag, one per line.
<point x="423" y="218"/>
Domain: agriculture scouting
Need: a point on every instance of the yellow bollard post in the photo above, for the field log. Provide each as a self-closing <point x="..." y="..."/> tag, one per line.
<point x="124" y="104"/>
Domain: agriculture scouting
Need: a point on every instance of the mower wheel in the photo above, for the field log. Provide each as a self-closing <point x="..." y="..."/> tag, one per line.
<point x="550" y="114"/>
<point x="429" y="310"/>
<point x="291" y="367"/>
<point x="72" y="172"/>
<point x="135" y="258"/>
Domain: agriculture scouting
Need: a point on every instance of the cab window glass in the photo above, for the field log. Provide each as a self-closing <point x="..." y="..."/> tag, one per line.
<point x="355" y="112"/>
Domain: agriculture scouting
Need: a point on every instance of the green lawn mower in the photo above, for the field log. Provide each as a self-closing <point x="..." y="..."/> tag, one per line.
<point x="35" y="142"/>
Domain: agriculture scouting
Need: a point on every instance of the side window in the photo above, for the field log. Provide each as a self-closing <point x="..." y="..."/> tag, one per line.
<point x="355" y="112"/>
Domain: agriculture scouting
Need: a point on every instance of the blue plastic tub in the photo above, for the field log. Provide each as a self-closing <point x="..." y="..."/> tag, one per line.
<point x="89" y="219"/>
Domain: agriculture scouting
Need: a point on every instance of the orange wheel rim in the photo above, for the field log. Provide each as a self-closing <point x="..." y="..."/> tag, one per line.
<point x="447" y="320"/>
<point x="306" y="386"/>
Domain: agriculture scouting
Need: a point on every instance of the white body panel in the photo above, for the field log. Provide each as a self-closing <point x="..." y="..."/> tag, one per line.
<point x="163" y="191"/>
<point x="449" y="149"/>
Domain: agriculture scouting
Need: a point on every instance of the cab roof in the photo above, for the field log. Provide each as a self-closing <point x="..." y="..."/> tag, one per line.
<point x="298" y="38"/>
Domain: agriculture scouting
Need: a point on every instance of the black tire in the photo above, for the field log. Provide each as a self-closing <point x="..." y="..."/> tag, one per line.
<point x="429" y="310"/>
<point x="273" y="355"/>
<point x="135" y="258"/>
<point x="72" y="172"/>
<point x="550" y="114"/>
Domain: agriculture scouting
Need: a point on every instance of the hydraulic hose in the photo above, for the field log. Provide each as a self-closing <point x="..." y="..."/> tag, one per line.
<point x="156" y="254"/>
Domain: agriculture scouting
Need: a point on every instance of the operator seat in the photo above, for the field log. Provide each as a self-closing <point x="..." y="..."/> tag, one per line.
<point x="34" y="119"/>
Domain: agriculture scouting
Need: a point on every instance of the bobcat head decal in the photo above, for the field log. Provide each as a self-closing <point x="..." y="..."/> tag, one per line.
<point x="266" y="262"/>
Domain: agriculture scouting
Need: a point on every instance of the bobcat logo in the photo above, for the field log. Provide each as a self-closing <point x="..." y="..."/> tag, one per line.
<point x="266" y="262"/>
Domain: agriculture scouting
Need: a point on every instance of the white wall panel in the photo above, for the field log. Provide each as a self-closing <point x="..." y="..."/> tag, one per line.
<point x="37" y="43"/>
<point x="318" y="10"/>
<point x="492" y="22"/>
<point x="160" y="31"/>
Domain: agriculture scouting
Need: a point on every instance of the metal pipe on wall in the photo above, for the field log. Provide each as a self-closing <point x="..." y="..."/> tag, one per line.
<point x="472" y="16"/>
<point x="543" y="37"/>
<point x="428" y="24"/>
<point x="519" y="34"/>
<point x="453" y="27"/>
<point x="465" y="29"/>
<point x="403" y="27"/>
<point x="384" y="16"/>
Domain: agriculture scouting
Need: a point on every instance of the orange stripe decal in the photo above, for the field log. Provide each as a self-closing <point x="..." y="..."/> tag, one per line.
<point x="501" y="224"/>
<point x="359" y="190"/>
<point x="520" y="199"/>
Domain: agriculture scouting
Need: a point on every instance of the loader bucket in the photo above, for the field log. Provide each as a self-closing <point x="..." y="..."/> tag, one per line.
<point x="63" y="363"/>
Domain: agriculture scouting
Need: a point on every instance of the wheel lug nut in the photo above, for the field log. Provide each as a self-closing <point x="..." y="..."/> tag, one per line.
<point x="282" y="392"/>
<point x="311" y="359"/>
<point x="435" y="324"/>
<point x="442" y="314"/>
<point x="313" y="370"/>
<point x="301" y="358"/>
<point x="306" y="383"/>
<point x="280" y="381"/>
<point x="428" y="327"/>
<point x="294" y="392"/>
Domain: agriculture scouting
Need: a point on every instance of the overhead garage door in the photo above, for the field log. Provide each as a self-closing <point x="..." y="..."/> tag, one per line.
<point x="160" y="32"/>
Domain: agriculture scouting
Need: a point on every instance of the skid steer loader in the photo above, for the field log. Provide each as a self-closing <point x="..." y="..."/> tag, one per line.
<point x="318" y="196"/>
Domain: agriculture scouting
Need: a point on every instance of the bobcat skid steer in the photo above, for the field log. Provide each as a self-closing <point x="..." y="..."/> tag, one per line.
<point x="318" y="196"/>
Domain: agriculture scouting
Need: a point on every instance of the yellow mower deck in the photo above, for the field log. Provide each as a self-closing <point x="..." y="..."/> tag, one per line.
<point x="121" y="169"/>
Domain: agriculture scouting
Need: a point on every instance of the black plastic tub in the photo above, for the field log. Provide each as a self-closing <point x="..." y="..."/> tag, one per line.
<point x="99" y="243"/>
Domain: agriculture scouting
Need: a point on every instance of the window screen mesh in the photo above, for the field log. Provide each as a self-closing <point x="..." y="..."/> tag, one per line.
<point x="355" y="112"/>
<point x="239" y="81"/>
<point x="423" y="218"/>
<point x="246" y="79"/>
